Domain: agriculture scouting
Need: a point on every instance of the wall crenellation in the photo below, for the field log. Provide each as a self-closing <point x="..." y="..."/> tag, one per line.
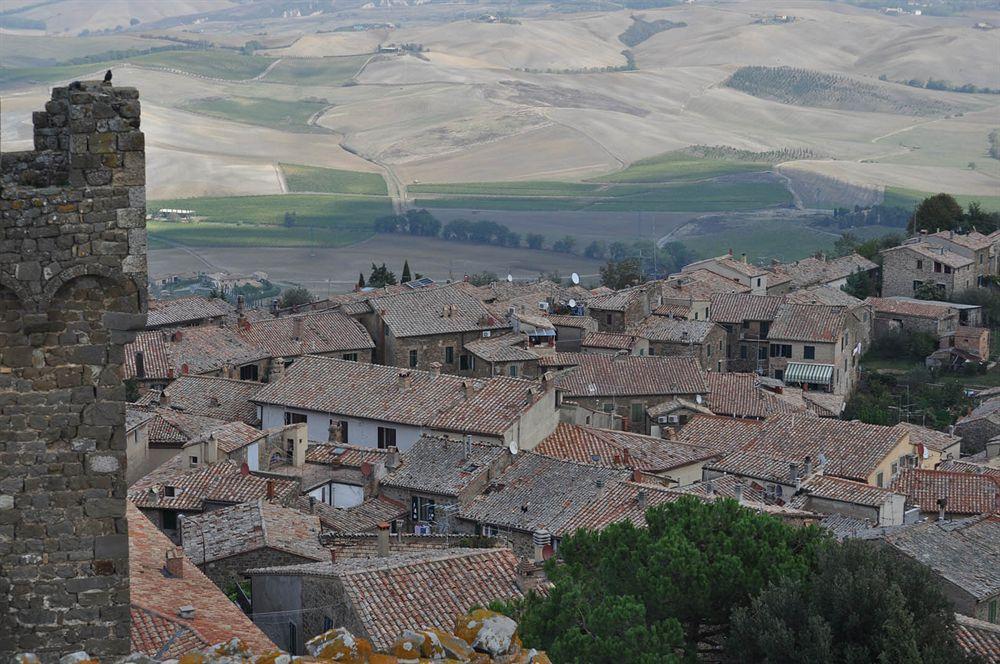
<point x="72" y="293"/>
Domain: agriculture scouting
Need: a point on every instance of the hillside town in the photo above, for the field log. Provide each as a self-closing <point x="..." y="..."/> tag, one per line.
<point x="387" y="470"/>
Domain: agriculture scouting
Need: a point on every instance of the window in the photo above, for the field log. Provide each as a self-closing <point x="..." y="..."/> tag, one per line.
<point x="295" y="418"/>
<point x="937" y="266"/>
<point x="947" y="269"/>
<point x="609" y="408"/>
<point x="421" y="509"/>
<point x="993" y="611"/>
<point x="809" y="352"/>
<point x="489" y="531"/>
<point x="386" y="437"/>
<point x="652" y="350"/>
<point x="512" y="371"/>
<point x="895" y="469"/>
<point x="637" y="413"/>
<point x="880" y="480"/>
<point x="449" y="355"/>
<point x="192" y="461"/>
<point x="248" y="372"/>
<point x="466" y="362"/>
<point x="743" y="352"/>
<point x="609" y="319"/>
<point x="169" y="491"/>
<point x="765" y="327"/>
<point x="169" y="520"/>
<point x="343" y="431"/>
<point x="351" y="357"/>
<point x="708" y="351"/>
<point x="920" y="264"/>
<point x="781" y="350"/>
<point x="327" y="623"/>
<point x="779" y="374"/>
<point x="762" y="353"/>
<point x="917" y="285"/>
<point x="759" y="281"/>
<point x="413" y="359"/>
<point x="696" y="315"/>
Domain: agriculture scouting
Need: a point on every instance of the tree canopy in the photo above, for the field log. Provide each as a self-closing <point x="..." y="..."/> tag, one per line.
<point x="622" y="273"/>
<point x="381" y="276"/>
<point x="294" y="297"/>
<point x="938" y="212"/>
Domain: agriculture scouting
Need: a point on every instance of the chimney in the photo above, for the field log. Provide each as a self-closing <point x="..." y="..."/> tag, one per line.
<point x="640" y="499"/>
<point x="240" y="305"/>
<point x="469" y="388"/>
<point x="392" y="458"/>
<point x="175" y="562"/>
<point x="738" y="492"/>
<point x="312" y="504"/>
<point x="211" y="449"/>
<point x="405" y="380"/>
<point x="548" y="381"/>
<point x="165" y="399"/>
<point x="140" y="364"/>
<point x="743" y="257"/>
<point x="184" y="369"/>
<point x="186" y="612"/>
<point x="710" y="488"/>
<point x="170" y="373"/>
<point x="383" y="540"/>
<point x="626" y="456"/>
<point x="436" y="368"/>
<point x="541" y="538"/>
<point x="942" y="507"/>
<point x="333" y="556"/>
<point x="277" y="370"/>
<point x="808" y="467"/>
<point x="467" y="446"/>
<point x="300" y="441"/>
<point x="336" y="432"/>
<point x="793" y="472"/>
<point x="297" y="328"/>
<point x="213" y="401"/>
<point x="637" y="475"/>
<point x="177" y="336"/>
<point x="270" y="489"/>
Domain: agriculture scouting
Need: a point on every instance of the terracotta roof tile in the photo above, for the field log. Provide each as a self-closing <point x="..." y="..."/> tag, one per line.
<point x="811" y="271"/>
<point x="583" y="322"/>
<point x="326" y="332"/>
<point x="938" y="441"/>
<point x="621" y="501"/>
<point x="673" y="330"/>
<point x="605" y="375"/>
<point x="343" y="454"/>
<point x="617" y="300"/>
<point x="740" y="395"/>
<point x="439" y="465"/>
<point x="221" y="482"/>
<point x="719" y="434"/>
<point x="219" y="398"/>
<point x="967" y="493"/>
<point x="846" y="491"/>
<point x="251" y="526"/>
<point x="609" y="340"/>
<point x="973" y="240"/>
<point x="160" y="637"/>
<point x="938" y="254"/>
<point x="216" y="619"/>
<point x="166" y="313"/>
<point x="416" y="590"/>
<point x="978" y="637"/>
<point x="735" y="308"/>
<point x="886" y="305"/>
<point x="503" y="348"/>
<point x="619" y="449"/>
<point x="430" y="311"/>
<point x="833" y="297"/>
<point x="700" y="284"/>
<point x="358" y="519"/>
<point x="200" y="350"/>
<point x="808" y="322"/>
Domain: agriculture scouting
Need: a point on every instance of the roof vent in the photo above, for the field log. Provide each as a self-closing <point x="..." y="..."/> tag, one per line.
<point x="186" y="612"/>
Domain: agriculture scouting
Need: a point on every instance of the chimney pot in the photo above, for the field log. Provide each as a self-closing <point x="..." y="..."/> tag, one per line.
<point x="640" y="499"/>
<point x="170" y="373"/>
<point x="383" y="540"/>
<point x="942" y="507"/>
<point x="469" y="388"/>
<point x="297" y="328"/>
<point x="541" y="538"/>
<point x="738" y="492"/>
<point x="392" y="458"/>
<point x="270" y="489"/>
<point x="312" y="504"/>
<point x="186" y="612"/>
<point x="436" y="368"/>
<point x="175" y="563"/>
<point x="405" y="380"/>
<point x="333" y="556"/>
<point x="793" y="472"/>
<point x="636" y="475"/>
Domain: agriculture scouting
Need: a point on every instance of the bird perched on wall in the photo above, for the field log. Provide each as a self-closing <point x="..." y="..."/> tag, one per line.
<point x="107" y="76"/>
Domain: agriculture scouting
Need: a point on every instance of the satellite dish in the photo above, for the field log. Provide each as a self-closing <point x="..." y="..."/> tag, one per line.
<point x="575" y="278"/>
<point x="510" y="279"/>
<point x="572" y="303"/>
<point x="512" y="446"/>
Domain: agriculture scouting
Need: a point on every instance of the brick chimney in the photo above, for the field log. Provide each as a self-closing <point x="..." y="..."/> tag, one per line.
<point x="436" y="368"/>
<point x="469" y="387"/>
<point x="640" y="499"/>
<point x="175" y="562"/>
<point x="269" y="487"/>
<point x="165" y="399"/>
<point x="297" y="328"/>
<point x="392" y="458"/>
<point x="383" y="540"/>
<point x="548" y="381"/>
<point x="333" y="556"/>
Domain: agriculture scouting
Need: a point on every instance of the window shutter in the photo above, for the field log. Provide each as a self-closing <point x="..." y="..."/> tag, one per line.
<point x="414" y="509"/>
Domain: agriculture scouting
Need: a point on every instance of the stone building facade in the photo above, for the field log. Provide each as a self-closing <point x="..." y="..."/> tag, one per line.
<point x="72" y="293"/>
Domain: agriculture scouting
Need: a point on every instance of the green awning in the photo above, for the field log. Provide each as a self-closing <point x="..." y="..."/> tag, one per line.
<point x="800" y="372"/>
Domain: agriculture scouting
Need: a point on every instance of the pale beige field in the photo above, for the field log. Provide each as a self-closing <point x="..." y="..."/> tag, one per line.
<point x="474" y="107"/>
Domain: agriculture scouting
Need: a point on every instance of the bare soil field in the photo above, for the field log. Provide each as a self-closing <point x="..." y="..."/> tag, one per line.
<point x="313" y="267"/>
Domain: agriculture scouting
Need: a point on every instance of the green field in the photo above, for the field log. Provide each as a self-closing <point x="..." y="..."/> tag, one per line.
<point x="782" y="239"/>
<point x="319" y="210"/>
<point x="674" y="166"/>
<point x="316" y="71"/>
<point x="710" y="196"/>
<point x="284" y="115"/>
<point x="909" y="198"/>
<point x="333" y="181"/>
<point x="526" y="188"/>
<point x="201" y="234"/>
<point x="214" y="63"/>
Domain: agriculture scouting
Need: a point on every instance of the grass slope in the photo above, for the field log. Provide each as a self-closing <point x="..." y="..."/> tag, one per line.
<point x="316" y="71"/>
<point x="909" y="198"/>
<point x="333" y="181"/>
<point x="764" y="239"/>
<point x="673" y="166"/>
<point x="317" y="210"/>
<point x="202" y="234"/>
<point x="284" y="115"/>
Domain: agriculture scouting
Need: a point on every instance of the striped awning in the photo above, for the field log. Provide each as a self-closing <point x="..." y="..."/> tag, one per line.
<point x="800" y="372"/>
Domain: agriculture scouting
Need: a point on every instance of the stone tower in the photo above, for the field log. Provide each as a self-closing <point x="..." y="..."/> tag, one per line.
<point x="72" y="293"/>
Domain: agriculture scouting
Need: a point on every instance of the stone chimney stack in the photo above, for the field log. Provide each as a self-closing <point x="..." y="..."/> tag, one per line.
<point x="300" y="442"/>
<point x="436" y="368"/>
<point x="277" y="370"/>
<point x="793" y="473"/>
<point x="336" y="433"/>
<point x="383" y="540"/>
<point x="808" y="467"/>
<point x="405" y="379"/>
<point x="297" y="328"/>
<point x="175" y="562"/>
<point x="640" y="499"/>
<point x="540" y="539"/>
<point x="942" y="508"/>
<point x="470" y="388"/>
<point x="392" y="458"/>
<point x="269" y="489"/>
<point x="140" y="364"/>
<point x="738" y="492"/>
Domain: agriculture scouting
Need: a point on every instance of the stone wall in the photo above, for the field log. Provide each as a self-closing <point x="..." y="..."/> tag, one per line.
<point x="72" y="293"/>
<point x="227" y="572"/>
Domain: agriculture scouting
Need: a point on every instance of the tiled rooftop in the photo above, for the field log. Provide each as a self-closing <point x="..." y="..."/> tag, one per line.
<point x="978" y="637"/>
<point x="740" y="395"/>
<point x="619" y="449"/>
<point x="965" y="552"/>
<point x="503" y="348"/>
<point x="617" y="300"/>
<point x="582" y="322"/>
<point x="220" y="398"/>
<point x="202" y="349"/>
<point x="372" y="391"/>
<point x="673" y="330"/>
<point x="943" y="256"/>
<point x="812" y="271"/>
<point x="730" y="263"/>
<point x="166" y="313"/>
<point x="154" y="634"/>
<point x="840" y="490"/>
<point x="443" y="310"/>
<point x="302" y="334"/>
<point x="425" y="589"/>
<point x="609" y="340"/>
<point x="216" y="619"/>
<point x="967" y="493"/>
<point x="628" y="375"/>
<point x="439" y="465"/>
<point x="358" y="519"/>
<point x="808" y="322"/>
<point x="827" y="295"/>
<point x="758" y="466"/>
<point x="537" y="491"/>
<point x="251" y="526"/>
<point x="719" y="434"/>
<point x="700" y="284"/>
<point x="343" y="454"/>
<point x="891" y="306"/>
<point x="222" y="482"/>
<point x="169" y="428"/>
<point x="724" y="486"/>
<point x="621" y="501"/>
<point x="973" y="240"/>
<point x="929" y="438"/>
<point x="735" y="308"/>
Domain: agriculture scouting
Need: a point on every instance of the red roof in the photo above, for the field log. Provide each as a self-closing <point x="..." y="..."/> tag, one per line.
<point x="619" y="449"/>
<point x="216" y="619"/>
<point x="967" y="493"/>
